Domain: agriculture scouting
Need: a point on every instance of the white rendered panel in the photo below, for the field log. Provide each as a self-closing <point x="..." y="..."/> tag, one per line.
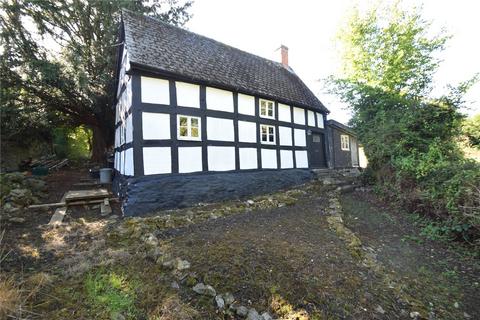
<point x="285" y="136"/>
<point x="221" y="158"/>
<point x="320" y="120"/>
<point x="286" y="159"/>
<point x="155" y="126"/>
<point x="129" y="128"/>
<point x="300" y="138"/>
<point x="311" y="118"/>
<point x="269" y="159"/>
<point x="188" y="95"/>
<point x="298" y="115"/>
<point x="129" y="162"/>
<point x="220" y="129"/>
<point x="189" y="159"/>
<point x="122" y="133"/>
<point x="284" y="113"/>
<point x="157" y="160"/>
<point x="302" y="158"/>
<point x="117" y="137"/>
<point x="246" y="104"/>
<point x="247" y="131"/>
<point x="155" y="91"/>
<point x="220" y="100"/>
<point x="122" y="162"/>
<point x="248" y="158"/>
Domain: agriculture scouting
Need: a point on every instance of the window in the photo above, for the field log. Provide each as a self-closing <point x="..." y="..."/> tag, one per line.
<point x="267" y="134"/>
<point x="188" y="128"/>
<point x="345" y="142"/>
<point x="266" y="109"/>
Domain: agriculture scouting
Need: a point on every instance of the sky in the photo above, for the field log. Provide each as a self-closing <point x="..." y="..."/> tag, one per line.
<point x="308" y="29"/>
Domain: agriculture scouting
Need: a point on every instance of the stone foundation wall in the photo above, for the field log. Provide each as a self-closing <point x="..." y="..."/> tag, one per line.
<point x="141" y="195"/>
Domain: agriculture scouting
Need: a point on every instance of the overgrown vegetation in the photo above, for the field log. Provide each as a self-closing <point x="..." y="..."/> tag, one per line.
<point x="58" y="63"/>
<point x="410" y="137"/>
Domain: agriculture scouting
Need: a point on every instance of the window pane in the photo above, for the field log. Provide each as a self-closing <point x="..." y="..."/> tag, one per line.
<point x="263" y="110"/>
<point x="270" y="130"/>
<point x="262" y="103"/>
<point x="195" y="132"/>
<point x="195" y="122"/>
<point x="270" y="112"/>
<point x="264" y="129"/>
<point x="183" y="121"/>
<point x="183" y="132"/>
<point x="264" y="137"/>
<point x="271" y="138"/>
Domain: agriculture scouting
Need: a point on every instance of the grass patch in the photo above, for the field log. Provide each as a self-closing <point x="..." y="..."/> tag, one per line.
<point x="10" y="298"/>
<point x="111" y="293"/>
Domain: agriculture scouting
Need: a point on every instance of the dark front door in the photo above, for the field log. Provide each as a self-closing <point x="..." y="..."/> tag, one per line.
<point x="317" y="150"/>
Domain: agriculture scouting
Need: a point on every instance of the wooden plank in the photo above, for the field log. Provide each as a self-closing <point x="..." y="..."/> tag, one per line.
<point x="86" y="194"/>
<point x="105" y="207"/>
<point x="73" y="203"/>
<point x="47" y="205"/>
<point x="57" y="217"/>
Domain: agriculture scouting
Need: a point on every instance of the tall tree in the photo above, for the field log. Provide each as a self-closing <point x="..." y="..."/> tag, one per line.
<point x="391" y="49"/>
<point x="61" y="55"/>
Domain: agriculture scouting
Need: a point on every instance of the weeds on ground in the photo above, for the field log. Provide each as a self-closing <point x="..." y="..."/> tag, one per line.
<point x="111" y="293"/>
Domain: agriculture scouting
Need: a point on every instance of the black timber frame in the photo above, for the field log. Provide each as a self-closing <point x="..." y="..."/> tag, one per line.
<point x="137" y="107"/>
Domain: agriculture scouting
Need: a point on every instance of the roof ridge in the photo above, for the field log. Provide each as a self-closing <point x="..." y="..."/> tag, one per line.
<point x="138" y="14"/>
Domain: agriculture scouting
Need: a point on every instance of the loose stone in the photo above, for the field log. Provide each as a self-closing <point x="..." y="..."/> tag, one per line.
<point x="266" y="316"/>
<point x="206" y="290"/>
<point x="220" y="301"/>
<point x="228" y="298"/>
<point x="242" y="311"/>
<point x="253" y="315"/>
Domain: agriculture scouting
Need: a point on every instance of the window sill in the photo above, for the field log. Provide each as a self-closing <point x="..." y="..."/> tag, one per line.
<point x="189" y="139"/>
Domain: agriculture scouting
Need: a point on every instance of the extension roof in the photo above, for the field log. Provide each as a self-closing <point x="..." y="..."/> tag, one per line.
<point x="169" y="50"/>
<point x="341" y="126"/>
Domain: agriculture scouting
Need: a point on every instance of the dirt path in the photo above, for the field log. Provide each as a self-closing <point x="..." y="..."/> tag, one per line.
<point x="446" y="280"/>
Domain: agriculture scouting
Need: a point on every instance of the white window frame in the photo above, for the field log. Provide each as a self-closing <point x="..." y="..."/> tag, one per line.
<point x="268" y="134"/>
<point x="189" y="128"/>
<point x="266" y="109"/>
<point x="345" y="142"/>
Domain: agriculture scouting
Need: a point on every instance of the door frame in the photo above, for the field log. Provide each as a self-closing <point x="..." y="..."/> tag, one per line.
<point x="310" y="132"/>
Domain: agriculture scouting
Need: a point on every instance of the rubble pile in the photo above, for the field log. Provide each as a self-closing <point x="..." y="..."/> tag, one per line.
<point x="17" y="192"/>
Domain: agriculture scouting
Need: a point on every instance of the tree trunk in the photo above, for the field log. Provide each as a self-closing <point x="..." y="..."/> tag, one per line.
<point x="99" y="146"/>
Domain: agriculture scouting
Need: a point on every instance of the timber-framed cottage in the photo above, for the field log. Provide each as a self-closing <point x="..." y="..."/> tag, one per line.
<point x="198" y="120"/>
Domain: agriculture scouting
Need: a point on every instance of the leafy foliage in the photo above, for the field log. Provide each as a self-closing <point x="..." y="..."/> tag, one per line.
<point x="471" y="129"/>
<point x="410" y="138"/>
<point x="58" y="61"/>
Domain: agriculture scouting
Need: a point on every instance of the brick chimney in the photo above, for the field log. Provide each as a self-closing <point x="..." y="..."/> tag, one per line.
<point x="284" y="52"/>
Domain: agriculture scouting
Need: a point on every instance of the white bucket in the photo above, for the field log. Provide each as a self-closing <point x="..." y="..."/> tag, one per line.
<point x="105" y="175"/>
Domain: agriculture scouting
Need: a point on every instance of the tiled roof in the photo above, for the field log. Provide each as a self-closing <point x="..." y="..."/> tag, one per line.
<point x="165" y="48"/>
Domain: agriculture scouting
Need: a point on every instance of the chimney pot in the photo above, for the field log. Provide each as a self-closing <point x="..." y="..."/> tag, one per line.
<point x="284" y="52"/>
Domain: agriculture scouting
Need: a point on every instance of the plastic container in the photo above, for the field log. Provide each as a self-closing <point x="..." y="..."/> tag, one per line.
<point x="105" y="175"/>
